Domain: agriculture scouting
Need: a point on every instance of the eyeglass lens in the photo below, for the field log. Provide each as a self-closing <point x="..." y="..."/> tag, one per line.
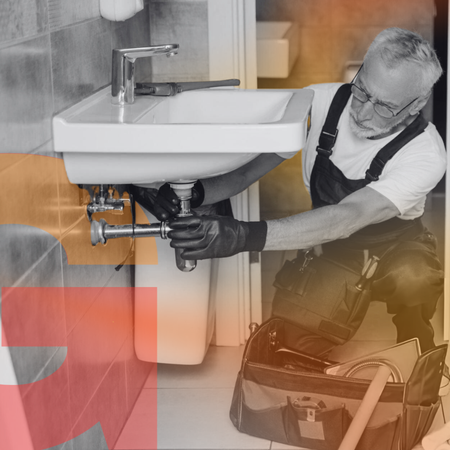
<point x="362" y="97"/>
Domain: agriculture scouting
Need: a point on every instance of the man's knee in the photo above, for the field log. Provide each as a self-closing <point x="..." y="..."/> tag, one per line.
<point x="410" y="276"/>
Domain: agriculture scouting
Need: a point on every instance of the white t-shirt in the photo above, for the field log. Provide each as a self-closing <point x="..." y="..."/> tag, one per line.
<point x="406" y="178"/>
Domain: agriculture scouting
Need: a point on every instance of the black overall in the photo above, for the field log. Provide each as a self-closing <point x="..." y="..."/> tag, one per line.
<point x="411" y="280"/>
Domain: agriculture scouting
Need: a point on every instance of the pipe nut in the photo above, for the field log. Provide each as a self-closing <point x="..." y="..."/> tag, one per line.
<point x="97" y="232"/>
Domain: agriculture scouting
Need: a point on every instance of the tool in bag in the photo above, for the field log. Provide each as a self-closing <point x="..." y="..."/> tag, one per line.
<point x="326" y="297"/>
<point x="275" y="400"/>
<point x="325" y="300"/>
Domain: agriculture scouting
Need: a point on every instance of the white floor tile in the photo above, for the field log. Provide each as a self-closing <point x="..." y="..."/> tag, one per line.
<point x="218" y="370"/>
<point x="198" y="419"/>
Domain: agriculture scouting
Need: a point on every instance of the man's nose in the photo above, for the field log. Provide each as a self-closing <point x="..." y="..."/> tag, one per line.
<point x="364" y="111"/>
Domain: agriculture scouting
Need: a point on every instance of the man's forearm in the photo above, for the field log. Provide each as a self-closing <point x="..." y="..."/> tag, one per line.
<point x="329" y="223"/>
<point x="307" y="229"/>
<point x="232" y="183"/>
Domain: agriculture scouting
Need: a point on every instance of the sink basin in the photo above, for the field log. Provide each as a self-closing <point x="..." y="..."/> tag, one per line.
<point x="192" y="135"/>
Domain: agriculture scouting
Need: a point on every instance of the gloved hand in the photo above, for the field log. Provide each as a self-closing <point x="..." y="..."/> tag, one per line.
<point x="204" y="237"/>
<point x="165" y="203"/>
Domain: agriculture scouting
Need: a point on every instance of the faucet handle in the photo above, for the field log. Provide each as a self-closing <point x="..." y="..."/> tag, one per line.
<point x="123" y="59"/>
<point x="172" y="88"/>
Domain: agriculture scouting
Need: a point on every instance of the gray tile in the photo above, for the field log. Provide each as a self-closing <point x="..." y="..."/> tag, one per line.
<point x="90" y="439"/>
<point x="184" y="23"/>
<point x="314" y="50"/>
<point x="43" y="318"/>
<point x="135" y="32"/>
<point x="201" y="420"/>
<point x="137" y="371"/>
<point x="218" y="370"/>
<point x="67" y="12"/>
<point x="48" y="273"/>
<point x="25" y="96"/>
<point x="32" y="364"/>
<point x="68" y="445"/>
<point x="312" y="13"/>
<point x="350" y="43"/>
<point x="96" y="275"/>
<point x="278" y="10"/>
<point x="95" y="342"/>
<point x="47" y="408"/>
<point x="46" y="149"/>
<point x="298" y="81"/>
<point x="383" y="13"/>
<point x="95" y="278"/>
<point x="306" y="12"/>
<point x="81" y="61"/>
<point x="22" y="19"/>
<point x="106" y="407"/>
<point x="21" y="247"/>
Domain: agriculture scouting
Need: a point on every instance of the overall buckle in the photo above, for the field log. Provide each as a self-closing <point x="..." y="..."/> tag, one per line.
<point x="326" y="142"/>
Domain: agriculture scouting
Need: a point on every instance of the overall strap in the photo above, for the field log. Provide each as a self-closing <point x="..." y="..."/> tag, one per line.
<point x="390" y="149"/>
<point x="329" y="131"/>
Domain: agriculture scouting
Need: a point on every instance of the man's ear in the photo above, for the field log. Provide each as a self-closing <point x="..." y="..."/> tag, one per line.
<point x="417" y="106"/>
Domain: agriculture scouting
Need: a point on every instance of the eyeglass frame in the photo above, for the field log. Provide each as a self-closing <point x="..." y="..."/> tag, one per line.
<point x="352" y="83"/>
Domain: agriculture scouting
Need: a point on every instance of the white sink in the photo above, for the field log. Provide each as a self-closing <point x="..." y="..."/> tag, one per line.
<point x="277" y="48"/>
<point x="192" y="135"/>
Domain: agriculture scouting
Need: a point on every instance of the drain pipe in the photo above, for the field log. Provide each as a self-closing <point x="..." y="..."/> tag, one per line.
<point x="101" y="231"/>
<point x="184" y="193"/>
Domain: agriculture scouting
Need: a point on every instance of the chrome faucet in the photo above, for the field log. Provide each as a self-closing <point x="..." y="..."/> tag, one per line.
<point x="123" y="85"/>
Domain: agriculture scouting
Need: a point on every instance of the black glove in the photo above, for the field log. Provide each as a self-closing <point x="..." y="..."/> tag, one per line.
<point x="164" y="203"/>
<point x="204" y="237"/>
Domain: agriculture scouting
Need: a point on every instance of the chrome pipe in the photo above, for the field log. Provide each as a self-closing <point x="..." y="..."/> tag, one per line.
<point x="101" y="231"/>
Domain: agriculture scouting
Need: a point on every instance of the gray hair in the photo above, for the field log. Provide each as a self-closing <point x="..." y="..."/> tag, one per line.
<point x="395" y="46"/>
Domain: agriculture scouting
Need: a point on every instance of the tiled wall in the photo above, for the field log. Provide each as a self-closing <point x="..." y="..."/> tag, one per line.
<point x="53" y="53"/>
<point x="335" y="31"/>
<point x="331" y="32"/>
<point x="183" y="22"/>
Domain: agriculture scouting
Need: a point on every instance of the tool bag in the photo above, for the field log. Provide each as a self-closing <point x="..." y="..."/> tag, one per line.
<point x="288" y="398"/>
<point x="325" y="300"/>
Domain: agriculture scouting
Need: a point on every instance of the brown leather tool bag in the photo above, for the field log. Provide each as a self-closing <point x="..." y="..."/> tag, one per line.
<point x="281" y="401"/>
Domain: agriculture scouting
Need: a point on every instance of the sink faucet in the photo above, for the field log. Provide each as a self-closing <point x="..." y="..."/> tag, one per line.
<point x="122" y="85"/>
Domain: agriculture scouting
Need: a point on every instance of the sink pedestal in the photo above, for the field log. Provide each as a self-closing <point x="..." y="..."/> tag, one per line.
<point x="185" y="308"/>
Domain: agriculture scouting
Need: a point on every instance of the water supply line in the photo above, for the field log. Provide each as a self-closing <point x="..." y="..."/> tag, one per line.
<point x="101" y="231"/>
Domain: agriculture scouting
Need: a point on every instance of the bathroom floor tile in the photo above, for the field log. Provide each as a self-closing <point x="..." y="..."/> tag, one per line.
<point x="218" y="370"/>
<point x="195" y="401"/>
<point x="138" y="433"/>
<point x="279" y="446"/>
<point x="198" y="419"/>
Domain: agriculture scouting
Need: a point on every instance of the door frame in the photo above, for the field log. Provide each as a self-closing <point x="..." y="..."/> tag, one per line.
<point x="232" y="54"/>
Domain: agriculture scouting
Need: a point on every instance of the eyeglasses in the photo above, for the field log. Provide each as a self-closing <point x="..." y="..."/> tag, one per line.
<point x="382" y="110"/>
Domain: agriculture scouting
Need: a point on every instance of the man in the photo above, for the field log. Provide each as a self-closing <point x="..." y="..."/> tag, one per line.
<point x="368" y="183"/>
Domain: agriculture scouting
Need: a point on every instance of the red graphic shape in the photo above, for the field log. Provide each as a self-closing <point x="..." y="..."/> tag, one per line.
<point x="95" y="324"/>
